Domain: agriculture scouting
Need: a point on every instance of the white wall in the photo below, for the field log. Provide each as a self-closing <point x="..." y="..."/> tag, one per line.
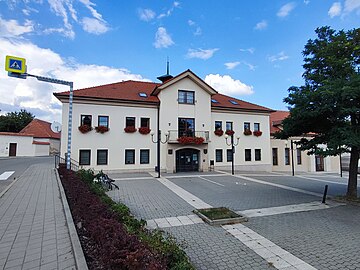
<point x="41" y="150"/>
<point x="24" y="145"/>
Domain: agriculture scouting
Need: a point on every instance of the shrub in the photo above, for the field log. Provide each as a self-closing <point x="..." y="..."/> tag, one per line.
<point x="130" y="129"/>
<point x="257" y="133"/>
<point x="144" y="130"/>
<point x="229" y="132"/>
<point x="247" y="132"/>
<point x="101" y="129"/>
<point x="219" y="132"/>
<point x="85" y="128"/>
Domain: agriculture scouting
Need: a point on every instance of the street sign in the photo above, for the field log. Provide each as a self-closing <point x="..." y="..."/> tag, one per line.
<point x="15" y="64"/>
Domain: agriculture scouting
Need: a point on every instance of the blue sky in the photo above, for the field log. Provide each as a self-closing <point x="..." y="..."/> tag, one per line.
<point x="247" y="49"/>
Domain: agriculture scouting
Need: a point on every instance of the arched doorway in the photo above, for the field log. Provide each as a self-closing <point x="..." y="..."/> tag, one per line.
<point x="187" y="160"/>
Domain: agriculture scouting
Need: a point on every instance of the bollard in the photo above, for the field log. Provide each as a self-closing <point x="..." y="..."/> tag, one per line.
<point x="325" y="192"/>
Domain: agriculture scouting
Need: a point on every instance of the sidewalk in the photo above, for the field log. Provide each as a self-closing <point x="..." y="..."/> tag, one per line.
<point x="33" y="228"/>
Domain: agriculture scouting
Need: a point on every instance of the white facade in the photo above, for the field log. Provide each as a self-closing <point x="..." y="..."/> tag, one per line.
<point x="24" y="146"/>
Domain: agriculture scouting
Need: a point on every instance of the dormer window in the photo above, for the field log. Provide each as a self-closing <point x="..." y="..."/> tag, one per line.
<point x="233" y="102"/>
<point x="186" y="97"/>
<point x="214" y="101"/>
<point x="143" y="95"/>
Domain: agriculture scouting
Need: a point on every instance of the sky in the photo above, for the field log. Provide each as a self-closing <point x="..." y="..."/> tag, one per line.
<point x="251" y="50"/>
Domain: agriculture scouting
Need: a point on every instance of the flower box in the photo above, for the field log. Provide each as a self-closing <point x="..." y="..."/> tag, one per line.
<point x="257" y="133"/>
<point x="229" y="132"/>
<point x="85" y="128"/>
<point x="190" y="140"/>
<point x="101" y="129"/>
<point x="219" y="132"/>
<point x="144" y="130"/>
<point x="130" y="129"/>
<point x="247" y="132"/>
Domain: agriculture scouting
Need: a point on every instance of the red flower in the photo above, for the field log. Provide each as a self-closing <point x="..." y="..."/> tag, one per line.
<point x="247" y="132"/>
<point x="144" y="130"/>
<point x="190" y="140"/>
<point x="257" y="133"/>
<point x="130" y="129"/>
<point x="219" y="132"/>
<point x="85" y="128"/>
<point x="101" y="129"/>
<point x="229" y="132"/>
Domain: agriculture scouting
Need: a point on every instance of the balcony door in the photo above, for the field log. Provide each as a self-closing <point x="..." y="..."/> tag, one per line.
<point x="186" y="127"/>
<point x="187" y="160"/>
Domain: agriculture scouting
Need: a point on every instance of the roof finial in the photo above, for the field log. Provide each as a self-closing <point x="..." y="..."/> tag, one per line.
<point x="167" y="76"/>
<point x="167" y="67"/>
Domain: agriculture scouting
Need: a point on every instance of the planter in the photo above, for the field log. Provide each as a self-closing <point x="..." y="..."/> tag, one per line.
<point x="101" y="129"/>
<point x="144" y="130"/>
<point x="257" y="133"/>
<point x="85" y="128"/>
<point x="130" y="129"/>
<point x="229" y="132"/>
<point x="191" y="140"/>
<point x="247" y="132"/>
<point x="219" y="216"/>
<point x="219" y="132"/>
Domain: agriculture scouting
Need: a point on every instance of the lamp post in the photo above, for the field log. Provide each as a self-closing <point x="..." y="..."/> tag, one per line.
<point x="232" y="144"/>
<point x="158" y="141"/>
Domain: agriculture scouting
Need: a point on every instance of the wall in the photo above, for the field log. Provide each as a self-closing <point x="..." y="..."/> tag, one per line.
<point x="24" y="145"/>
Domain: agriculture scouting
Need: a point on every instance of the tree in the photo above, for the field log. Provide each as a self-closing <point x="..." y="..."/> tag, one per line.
<point x="327" y="106"/>
<point x="15" y="121"/>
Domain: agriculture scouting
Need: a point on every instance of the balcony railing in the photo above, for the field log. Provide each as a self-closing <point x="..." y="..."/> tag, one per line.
<point x="175" y="134"/>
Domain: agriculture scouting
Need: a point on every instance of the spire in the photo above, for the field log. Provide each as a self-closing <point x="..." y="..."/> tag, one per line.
<point x="167" y="76"/>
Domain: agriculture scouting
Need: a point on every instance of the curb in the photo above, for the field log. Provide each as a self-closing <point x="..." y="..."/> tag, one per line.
<point x="75" y="242"/>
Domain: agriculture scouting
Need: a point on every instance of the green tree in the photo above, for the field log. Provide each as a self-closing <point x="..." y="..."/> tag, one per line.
<point x="15" y="121"/>
<point x="328" y="104"/>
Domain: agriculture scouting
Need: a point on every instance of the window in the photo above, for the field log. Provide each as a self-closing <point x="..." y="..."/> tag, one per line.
<point x="233" y="102"/>
<point x="144" y="156"/>
<point x="130" y="121"/>
<point x="256" y="126"/>
<point x="219" y="155"/>
<point x="144" y="95"/>
<point x="287" y="156"/>
<point x="103" y="121"/>
<point x="84" y="157"/>
<point x="186" y="97"/>
<point x="229" y="155"/>
<point x="102" y="157"/>
<point x="129" y="156"/>
<point x="229" y="125"/>
<point x="186" y="127"/>
<point x="257" y="154"/>
<point x="247" y="154"/>
<point x="298" y="156"/>
<point x="246" y="125"/>
<point x="86" y="120"/>
<point x="214" y="101"/>
<point x="218" y="125"/>
<point x="275" y="156"/>
<point x="145" y="122"/>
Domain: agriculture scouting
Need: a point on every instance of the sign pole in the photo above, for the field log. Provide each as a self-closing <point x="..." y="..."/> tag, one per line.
<point x="68" y="159"/>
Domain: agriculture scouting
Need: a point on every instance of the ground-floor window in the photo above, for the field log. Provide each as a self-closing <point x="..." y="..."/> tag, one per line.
<point x="144" y="156"/>
<point x="247" y="154"/>
<point x="257" y="154"/>
<point x="229" y="155"/>
<point x="219" y="155"/>
<point x="102" y="157"/>
<point x="298" y="156"/>
<point x="130" y="156"/>
<point x="287" y="156"/>
<point x="84" y="157"/>
<point x="275" y="156"/>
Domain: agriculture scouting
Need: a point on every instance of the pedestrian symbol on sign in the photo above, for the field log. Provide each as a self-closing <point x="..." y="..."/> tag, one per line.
<point x="14" y="64"/>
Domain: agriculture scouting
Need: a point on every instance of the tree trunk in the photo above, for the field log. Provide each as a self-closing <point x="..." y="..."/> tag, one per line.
<point x="353" y="172"/>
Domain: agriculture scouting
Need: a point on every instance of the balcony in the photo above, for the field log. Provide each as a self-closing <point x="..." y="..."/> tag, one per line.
<point x="175" y="134"/>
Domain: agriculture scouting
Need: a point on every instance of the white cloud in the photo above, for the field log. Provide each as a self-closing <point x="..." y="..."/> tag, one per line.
<point x="306" y="2"/>
<point x="281" y="56"/>
<point x="94" y="26"/>
<point x="197" y="31"/>
<point x="261" y="25"/>
<point x="231" y="65"/>
<point x="12" y="28"/>
<point x="191" y="23"/>
<point x="146" y="14"/>
<point x="37" y="97"/>
<point x="285" y="10"/>
<point x="250" y="50"/>
<point x="201" y="54"/>
<point x="352" y="5"/>
<point x="89" y="5"/>
<point x="228" y="86"/>
<point x="250" y="66"/>
<point x="335" y="10"/>
<point x="169" y="11"/>
<point x="162" y="39"/>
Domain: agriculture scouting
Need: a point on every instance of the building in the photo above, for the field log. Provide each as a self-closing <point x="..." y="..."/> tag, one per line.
<point x="112" y="127"/>
<point x="287" y="157"/>
<point x="36" y="139"/>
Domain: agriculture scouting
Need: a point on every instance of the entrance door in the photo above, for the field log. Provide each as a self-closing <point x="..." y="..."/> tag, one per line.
<point x="12" y="150"/>
<point x="187" y="160"/>
<point x="319" y="162"/>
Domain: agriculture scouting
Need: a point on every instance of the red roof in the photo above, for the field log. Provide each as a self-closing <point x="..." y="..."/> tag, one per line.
<point x="41" y="143"/>
<point x="39" y="129"/>
<point x="276" y="119"/>
<point x="14" y="134"/>
<point x="223" y="101"/>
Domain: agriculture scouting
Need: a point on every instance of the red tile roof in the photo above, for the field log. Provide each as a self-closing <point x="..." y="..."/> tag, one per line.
<point x="14" y="134"/>
<point x="39" y="129"/>
<point x="276" y="119"/>
<point x="223" y="101"/>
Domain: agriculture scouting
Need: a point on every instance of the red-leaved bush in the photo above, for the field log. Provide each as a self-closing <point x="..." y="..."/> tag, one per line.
<point x="219" y="132"/>
<point x="144" y="130"/>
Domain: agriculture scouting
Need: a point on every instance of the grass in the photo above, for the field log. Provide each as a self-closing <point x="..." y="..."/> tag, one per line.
<point x="218" y="213"/>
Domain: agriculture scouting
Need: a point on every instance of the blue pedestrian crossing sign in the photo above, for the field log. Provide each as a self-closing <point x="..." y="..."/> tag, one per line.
<point x="15" y="64"/>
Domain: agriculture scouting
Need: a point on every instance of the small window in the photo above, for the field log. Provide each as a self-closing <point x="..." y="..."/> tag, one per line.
<point x="103" y="121"/>
<point x="84" y="157"/>
<point x="229" y="155"/>
<point x="257" y="154"/>
<point x="275" y="156"/>
<point x="144" y="156"/>
<point x="256" y="126"/>
<point x="246" y="125"/>
<point x="233" y="102"/>
<point x="86" y="120"/>
<point x="144" y="95"/>
<point x="145" y="122"/>
<point x="214" y="101"/>
<point x="186" y="97"/>
<point x="130" y="121"/>
<point x="247" y="154"/>
<point x="129" y="156"/>
<point x="229" y="125"/>
<point x="219" y="155"/>
<point x="102" y="157"/>
<point x="287" y="156"/>
<point x="218" y="125"/>
<point x="298" y="156"/>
